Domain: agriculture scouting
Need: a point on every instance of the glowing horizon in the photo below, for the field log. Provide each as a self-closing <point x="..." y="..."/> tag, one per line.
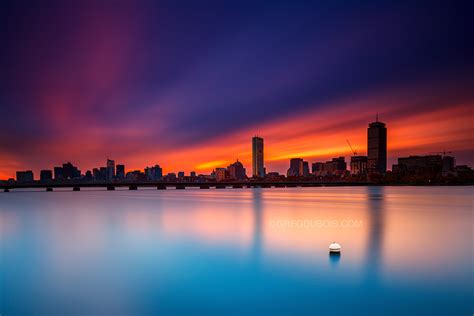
<point x="189" y="96"/>
<point x="314" y="137"/>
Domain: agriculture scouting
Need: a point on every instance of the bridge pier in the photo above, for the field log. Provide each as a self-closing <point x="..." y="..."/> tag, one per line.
<point x="204" y="187"/>
<point x="161" y="187"/>
<point x="237" y="186"/>
<point x="133" y="187"/>
<point x="110" y="188"/>
<point x="220" y="186"/>
<point x="49" y="189"/>
<point x="6" y="190"/>
<point x="180" y="187"/>
<point x="76" y="188"/>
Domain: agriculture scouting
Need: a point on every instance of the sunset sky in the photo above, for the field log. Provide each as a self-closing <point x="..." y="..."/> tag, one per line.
<point x="186" y="84"/>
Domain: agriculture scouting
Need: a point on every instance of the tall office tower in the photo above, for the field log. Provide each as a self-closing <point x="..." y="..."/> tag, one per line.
<point x="110" y="169"/>
<point x="377" y="147"/>
<point x="258" y="169"/>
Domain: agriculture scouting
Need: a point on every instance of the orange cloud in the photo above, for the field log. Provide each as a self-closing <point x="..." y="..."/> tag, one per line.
<point x="417" y="123"/>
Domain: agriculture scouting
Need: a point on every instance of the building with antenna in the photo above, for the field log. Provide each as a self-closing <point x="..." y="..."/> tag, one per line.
<point x="377" y="147"/>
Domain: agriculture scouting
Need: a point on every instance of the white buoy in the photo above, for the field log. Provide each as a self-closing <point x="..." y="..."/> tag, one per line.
<point x="334" y="247"/>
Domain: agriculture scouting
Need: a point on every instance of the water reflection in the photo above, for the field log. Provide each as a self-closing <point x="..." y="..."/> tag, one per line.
<point x="172" y="252"/>
<point x="334" y="258"/>
<point x="257" y="244"/>
<point x="375" y="227"/>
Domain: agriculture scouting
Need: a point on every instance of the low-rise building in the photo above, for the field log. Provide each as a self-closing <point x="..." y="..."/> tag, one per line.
<point x="46" y="175"/>
<point x="236" y="171"/>
<point x="24" y="176"/>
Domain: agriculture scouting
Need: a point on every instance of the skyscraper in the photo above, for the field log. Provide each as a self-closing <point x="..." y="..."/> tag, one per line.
<point x="258" y="169"/>
<point x="377" y="147"/>
<point x="110" y="169"/>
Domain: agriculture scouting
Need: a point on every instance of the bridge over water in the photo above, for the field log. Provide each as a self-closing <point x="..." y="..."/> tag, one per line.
<point x="76" y="186"/>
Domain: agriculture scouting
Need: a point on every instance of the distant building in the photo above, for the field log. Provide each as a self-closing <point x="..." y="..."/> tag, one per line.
<point x="46" y="175"/>
<point x="296" y="168"/>
<point x="236" y="171"/>
<point x="58" y="173"/>
<point x="337" y="166"/>
<point x="88" y="175"/>
<point x="110" y="175"/>
<point x="135" y="175"/>
<point x="221" y="174"/>
<point x="102" y="174"/>
<point x="99" y="174"/>
<point x="462" y="171"/>
<point x="258" y="168"/>
<point x="193" y="174"/>
<point x="428" y="166"/>
<point x="158" y="172"/>
<point x="95" y="173"/>
<point x="170" y="177"/>
<point x="358" y="165"/>
<point x="24" y="176"/>
<point x="305" y="169"/>
<point x="120" y="172"/>
<point x="154" y="173"/>
<point x="449" y="164"/>
<point x="274" y="176"/>
<point x="180" y="174"/>
<point x="377" y="147"/>
<point x="70" y="171"/>
<point x="334" y="167"/>
<point x="317" y="168"/>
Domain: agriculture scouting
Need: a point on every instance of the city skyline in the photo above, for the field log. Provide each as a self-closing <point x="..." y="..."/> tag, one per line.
<point x="362" y="167"/>
<point x="257" y="149"/>
<point x="252" y="157"/>
<point x="305" y="76"/>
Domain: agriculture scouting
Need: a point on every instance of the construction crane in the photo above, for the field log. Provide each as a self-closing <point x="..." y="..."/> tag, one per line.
<point x="352" y="149"/>
<point x="441" y="152"/>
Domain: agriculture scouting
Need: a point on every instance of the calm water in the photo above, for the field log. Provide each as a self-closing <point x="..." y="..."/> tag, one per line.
<point x="406" y="250"/>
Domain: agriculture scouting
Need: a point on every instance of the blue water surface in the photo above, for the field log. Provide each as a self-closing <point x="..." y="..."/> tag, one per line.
<point x="405" y="251"/>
